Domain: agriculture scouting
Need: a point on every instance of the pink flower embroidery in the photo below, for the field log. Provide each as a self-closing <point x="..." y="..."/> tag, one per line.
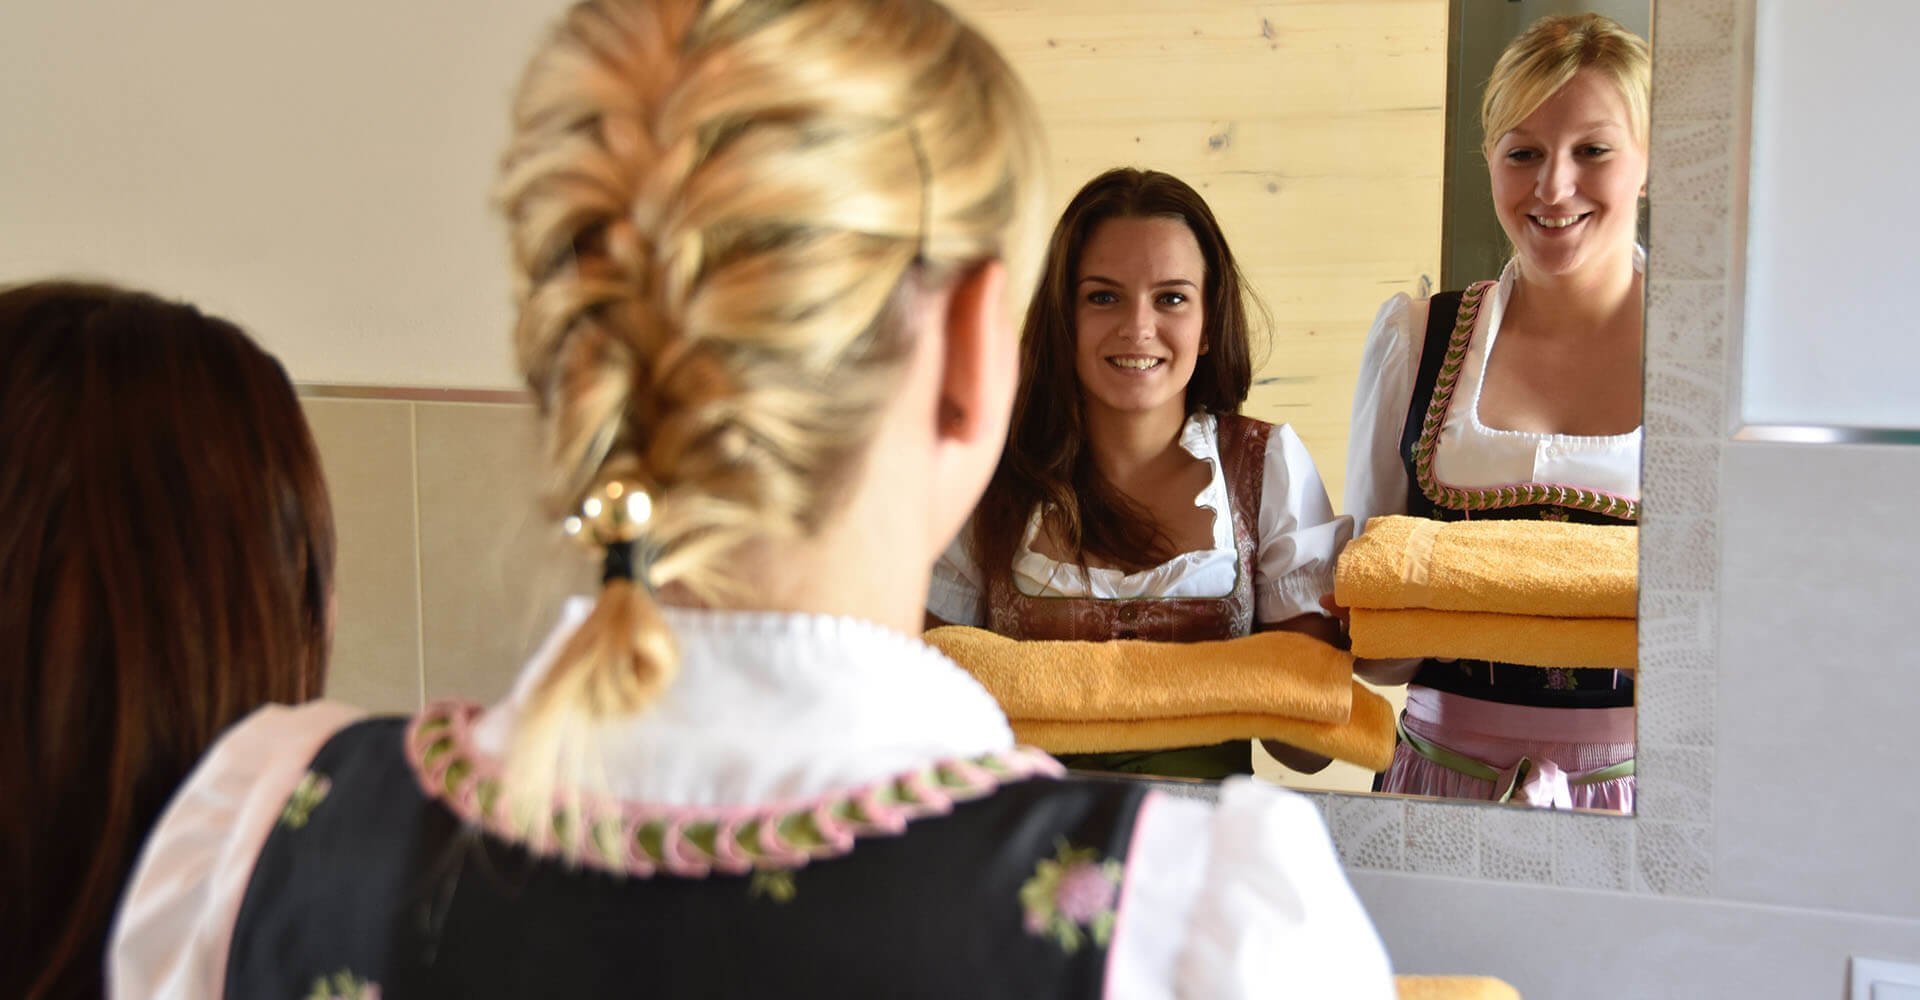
<point x="1084" y="892"/>
<point x="1071" y="897"/>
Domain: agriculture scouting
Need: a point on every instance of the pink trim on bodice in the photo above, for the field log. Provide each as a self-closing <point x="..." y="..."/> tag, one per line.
<point x="644" y="840"/>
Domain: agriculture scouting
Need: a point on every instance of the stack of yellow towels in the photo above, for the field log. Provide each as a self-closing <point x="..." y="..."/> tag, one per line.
<point x="1453" y="988"/>
<point x="1129" y="694"/>
<point x="1539" y="593"/>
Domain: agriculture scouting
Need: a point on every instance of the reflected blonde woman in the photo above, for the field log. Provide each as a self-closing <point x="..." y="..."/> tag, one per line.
<point x="1547" y="392"/>
<point x="768" y="255"/>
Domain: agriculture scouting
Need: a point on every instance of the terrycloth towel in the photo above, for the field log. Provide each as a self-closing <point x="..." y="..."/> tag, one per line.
<point x="1128" y="694"/>
<point x="1453" y="988"/>
<point x="1267" y="673"/>
<point x="1366" y="738"/>
<point x="1555" y="569"/>
<point x="1532" y="640"/>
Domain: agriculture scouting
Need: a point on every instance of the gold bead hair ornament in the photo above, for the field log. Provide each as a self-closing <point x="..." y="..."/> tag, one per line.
<point x="614" y="518"/>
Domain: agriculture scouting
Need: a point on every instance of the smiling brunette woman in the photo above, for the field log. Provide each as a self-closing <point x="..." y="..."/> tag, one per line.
<point x="1543" y="391"/>
<point x="1132" y="500"/>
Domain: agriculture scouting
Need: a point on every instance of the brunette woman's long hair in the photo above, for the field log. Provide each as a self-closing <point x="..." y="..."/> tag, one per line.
<point x="1047" y="464"/>
<point x="166" y="566"/>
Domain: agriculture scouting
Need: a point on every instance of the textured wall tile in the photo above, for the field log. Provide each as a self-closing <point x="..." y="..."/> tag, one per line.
<point x="1673" y="858"/>
<point x="1686" y="399"/>
<point x="1691" y="163"/>
<point x="1690" y="241"/>
<point x="1516" y="844"/>
<point x="1680" y="475"/>
<point x="1679" y="553"/>
<point x="1443" y="839"/>
<point x="1369" y="831"/>
<point x="1324" y="803"/>
<point x="494" y="568"/>
<point x="1676" y="709"/>
<point x="1677" y="632"/>
<point x="1592" y="852"/>
<point x="1694" y="23"/>
<point x="1694" y="82"/>
<point x="1686" y="321"/>
<point x="1674" y="783"/>
<point x="366" y="453"/>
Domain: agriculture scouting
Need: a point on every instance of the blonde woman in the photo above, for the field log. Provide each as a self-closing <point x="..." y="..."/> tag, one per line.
<point x="1546" y="393"/>
<point x="764" y="252"/>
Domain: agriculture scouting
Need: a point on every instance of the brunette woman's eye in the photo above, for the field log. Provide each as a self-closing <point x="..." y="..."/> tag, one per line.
<point x="1102" y="298"/>
<point x="1173" y="298"/>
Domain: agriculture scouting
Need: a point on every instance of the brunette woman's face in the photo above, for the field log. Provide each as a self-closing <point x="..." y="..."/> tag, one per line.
<point x="1139" y="326"/>
<point x="1567" y="180"/>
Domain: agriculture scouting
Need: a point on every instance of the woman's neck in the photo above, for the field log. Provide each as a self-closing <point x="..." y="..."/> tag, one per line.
<point x="1580" y="304"/>
<point x="1127" y="447"/>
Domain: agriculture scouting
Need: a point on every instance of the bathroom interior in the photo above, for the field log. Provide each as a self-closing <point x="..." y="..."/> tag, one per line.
<point x="1773" y="843"/>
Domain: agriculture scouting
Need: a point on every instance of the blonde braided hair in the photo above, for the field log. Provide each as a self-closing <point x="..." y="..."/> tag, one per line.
<point x="713" y="208"/>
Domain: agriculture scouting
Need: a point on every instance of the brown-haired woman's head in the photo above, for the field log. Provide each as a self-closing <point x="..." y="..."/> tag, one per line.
<point x="726" y="219"/>
<point x="1047" y="463"/>
<point x="166" y="566"/>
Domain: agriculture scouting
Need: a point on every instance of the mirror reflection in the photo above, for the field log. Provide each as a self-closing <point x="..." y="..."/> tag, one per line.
<point x="1161" y="491"/>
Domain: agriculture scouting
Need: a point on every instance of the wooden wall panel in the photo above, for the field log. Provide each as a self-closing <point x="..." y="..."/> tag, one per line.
<point x="1314" y="129"/>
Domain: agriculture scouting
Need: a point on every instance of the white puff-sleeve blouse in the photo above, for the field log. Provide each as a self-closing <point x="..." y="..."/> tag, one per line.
<point x="1300" y="539"/>
<point x="1468" y="453"/>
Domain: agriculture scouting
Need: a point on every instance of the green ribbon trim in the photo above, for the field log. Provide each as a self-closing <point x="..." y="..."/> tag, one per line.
<point x="1460" y="763"/>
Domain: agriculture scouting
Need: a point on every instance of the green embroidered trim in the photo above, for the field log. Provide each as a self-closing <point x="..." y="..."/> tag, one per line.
<point x="305" y="798"/>
<point x="343" y="985"/>
<point x="1493" y="497"/>
<point x="775" y="885"/>
<point x="692" y="842"/>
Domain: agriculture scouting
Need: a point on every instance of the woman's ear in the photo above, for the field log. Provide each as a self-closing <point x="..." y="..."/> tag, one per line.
<point x="978" y="370"/>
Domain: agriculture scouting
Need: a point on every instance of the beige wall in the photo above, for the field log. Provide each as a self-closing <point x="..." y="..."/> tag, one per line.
<point x="449" y="574"/>
<point x="1315" y="130"/>
<point x="321" y="175"/>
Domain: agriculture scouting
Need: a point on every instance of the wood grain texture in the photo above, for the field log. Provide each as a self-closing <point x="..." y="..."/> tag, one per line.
<point x="1314" y="129"/>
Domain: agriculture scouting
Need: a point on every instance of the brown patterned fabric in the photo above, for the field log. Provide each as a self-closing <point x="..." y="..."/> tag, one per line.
<point x="1243" y="452"/>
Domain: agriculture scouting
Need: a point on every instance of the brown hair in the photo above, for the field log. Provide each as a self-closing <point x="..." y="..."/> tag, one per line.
<point x="1046" y="464"/>
<point x="714" y="210"/>
<point x="166" y="564"/>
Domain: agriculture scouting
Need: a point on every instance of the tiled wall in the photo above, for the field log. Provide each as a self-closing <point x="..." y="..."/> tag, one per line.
<point x="448" y="573"/>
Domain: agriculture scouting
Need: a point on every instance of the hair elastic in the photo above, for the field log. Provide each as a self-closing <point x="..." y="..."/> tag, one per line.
<point x="613" y="518"/>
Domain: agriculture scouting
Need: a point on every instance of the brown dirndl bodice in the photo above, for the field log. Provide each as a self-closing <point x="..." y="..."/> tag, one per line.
<point x="1243" y="450"/>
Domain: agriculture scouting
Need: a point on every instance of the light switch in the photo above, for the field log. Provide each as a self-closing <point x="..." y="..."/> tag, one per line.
<point x="1879" y="979"/>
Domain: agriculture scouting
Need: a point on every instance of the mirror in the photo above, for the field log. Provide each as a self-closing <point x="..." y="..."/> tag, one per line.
<point x="1335" y="142"/>
<point x="1339" y="146"/>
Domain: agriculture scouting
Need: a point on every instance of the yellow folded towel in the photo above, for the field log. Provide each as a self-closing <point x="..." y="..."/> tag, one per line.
<point x="1268" y="673"/>
<point x="1526" y="639"/>
<point x="1549" y="568"/>
<point x="1366" y="738"/>
<point x="1453" y="988"/>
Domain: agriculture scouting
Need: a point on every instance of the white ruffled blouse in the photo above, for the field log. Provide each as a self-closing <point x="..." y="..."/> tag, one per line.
<point x="1239" y="898"/>
<point x="1300" y="537"/>
<point x="1469" y="453"/>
